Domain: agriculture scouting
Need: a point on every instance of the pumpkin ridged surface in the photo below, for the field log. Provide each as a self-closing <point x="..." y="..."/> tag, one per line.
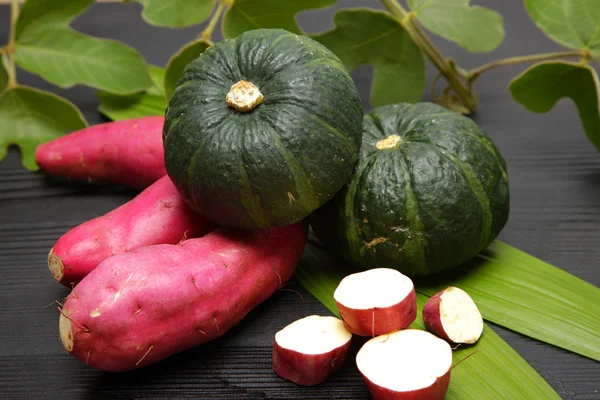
<point x="434" y="199"/>
<point x="277" y="163"/>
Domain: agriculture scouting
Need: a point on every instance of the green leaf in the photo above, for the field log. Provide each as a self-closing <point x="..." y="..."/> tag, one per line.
<point x="144" y="104"/>
<point x="3" y="75"/>
<point x="178" y="61"/>
<point x="542" y="85"/>
<point x="175" y="13"/>
<point x="572" y="23"/>
<point x="47" y="46"/>
<point x="245" y="15"/>
<point x="475" y="28"/>
<point x="157" y="74"/>
<point x="520" y="292"/>
<point x="138" y="105"/>
<point x="365" y="36"/>
<point x="31" y="117"/>
<point x="495" y="372"/>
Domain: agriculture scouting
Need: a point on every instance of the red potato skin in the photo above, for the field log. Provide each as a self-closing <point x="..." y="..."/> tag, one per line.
<point x="139" y="307"/>
<point x="128" y="152"/>
<point x="307" y="369"/>
<point x="386" y="319"/>
<point x="437" y="391"/>
<point x="431" y="316"/>
<point x="158" y="215"/>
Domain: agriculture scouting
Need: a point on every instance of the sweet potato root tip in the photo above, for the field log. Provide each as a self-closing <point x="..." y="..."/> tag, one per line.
<point x="54" y="302"/>
<point x="140" y="222"/>
<point x="66" y="333"/>
<point x="56" y="266"/>
<point x="145" y="354"/>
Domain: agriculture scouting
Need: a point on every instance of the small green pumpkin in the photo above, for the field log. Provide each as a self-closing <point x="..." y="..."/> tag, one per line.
<point x="430" y="191"/>
<point x="262" y="129"/>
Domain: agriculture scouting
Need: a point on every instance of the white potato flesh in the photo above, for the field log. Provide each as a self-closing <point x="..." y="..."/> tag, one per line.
<point x="374" y="288"/>
<point x="405" y="360"/>
<point x="460" y="317"/>
<point x="313" y="335"/>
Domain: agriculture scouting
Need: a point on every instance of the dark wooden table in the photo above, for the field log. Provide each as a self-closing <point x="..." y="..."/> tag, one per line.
<point x="555" y="188"/>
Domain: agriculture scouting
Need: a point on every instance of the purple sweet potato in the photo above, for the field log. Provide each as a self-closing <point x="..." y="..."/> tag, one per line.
<point x="139" y="307"/>
<point x="158" y="215"/>
<point x="129" y="152"/>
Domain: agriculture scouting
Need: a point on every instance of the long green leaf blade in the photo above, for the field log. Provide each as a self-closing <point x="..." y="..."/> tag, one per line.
<point x="527" y="295"/>
<point x="495" y="372"/>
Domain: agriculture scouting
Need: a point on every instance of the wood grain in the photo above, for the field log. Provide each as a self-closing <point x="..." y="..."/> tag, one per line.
<point x="554" y="176"/>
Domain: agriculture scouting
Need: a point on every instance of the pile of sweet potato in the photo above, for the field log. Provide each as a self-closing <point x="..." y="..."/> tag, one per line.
<point x="152" y="278"/>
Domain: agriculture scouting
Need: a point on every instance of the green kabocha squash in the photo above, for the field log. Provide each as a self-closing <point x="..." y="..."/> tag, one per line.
<point x="262" y="129"/>
<point x="430" y="191"/>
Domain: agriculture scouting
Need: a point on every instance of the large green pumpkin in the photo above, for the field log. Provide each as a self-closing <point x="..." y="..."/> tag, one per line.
<point x="430" y="191"/>
<point x="262" y="129"/>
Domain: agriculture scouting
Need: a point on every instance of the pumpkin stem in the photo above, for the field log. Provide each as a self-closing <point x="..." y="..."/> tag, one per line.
<point x="244" y="96"/>
<point x="390" y="142"/>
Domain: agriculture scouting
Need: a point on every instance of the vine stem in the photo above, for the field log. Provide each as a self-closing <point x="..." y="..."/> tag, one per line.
<point x="433" y="86"/>
<point x="206" y="34"/>
<point x="9" y="57"/>
<point x="476" y="72"/>
<point x="423" y="41"/>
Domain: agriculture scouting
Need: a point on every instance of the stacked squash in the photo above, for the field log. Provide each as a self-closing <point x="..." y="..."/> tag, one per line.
<point x="262" y="131"/>
<point x="266" y="128"/>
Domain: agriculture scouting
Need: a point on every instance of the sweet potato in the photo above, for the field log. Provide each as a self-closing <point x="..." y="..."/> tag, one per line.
<point x="453" y="316"/>
<point x="129" y="152"/>
<point x="406" y="365"/>
<point x="158" y="215"/>
<point x="376" y="301"/>
<point x="139" y="307"/>
<point x="309" y="350"/>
